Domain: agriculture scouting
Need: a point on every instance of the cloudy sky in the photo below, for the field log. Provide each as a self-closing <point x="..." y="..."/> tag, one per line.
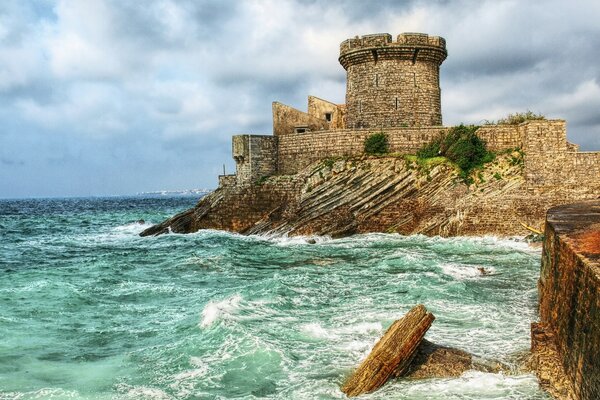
<point x="102" y="97"/>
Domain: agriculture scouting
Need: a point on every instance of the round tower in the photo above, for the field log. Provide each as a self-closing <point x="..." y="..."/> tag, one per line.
<point x="393" y="83"/>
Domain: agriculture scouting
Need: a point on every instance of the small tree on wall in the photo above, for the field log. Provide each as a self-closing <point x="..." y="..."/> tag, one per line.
<point x="377" y="143"/>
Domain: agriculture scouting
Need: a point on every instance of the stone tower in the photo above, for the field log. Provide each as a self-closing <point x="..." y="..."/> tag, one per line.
<point x="393" y="83"/>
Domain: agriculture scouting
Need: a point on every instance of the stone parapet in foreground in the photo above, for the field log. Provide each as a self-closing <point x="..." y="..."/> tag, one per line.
<point x="566" y="341"/>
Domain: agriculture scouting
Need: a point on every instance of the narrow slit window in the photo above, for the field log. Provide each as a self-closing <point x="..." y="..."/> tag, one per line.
<point x="376" y="80"/>
<point x="396" y="103"/>
<point x="360" y="106"/>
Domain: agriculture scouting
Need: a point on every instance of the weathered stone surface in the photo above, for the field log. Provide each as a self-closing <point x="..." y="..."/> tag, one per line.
<point x="392" y="354"/>
<point x="435" y="361"/>
<point x="376" y="194"/>
<point x="546" y="363"/>
<point x="566" y="342"/>
<point x="393" y="82"/>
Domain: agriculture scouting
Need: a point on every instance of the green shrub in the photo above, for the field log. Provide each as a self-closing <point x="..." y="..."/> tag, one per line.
<point x="461" y="146"/>
<point x="262" y="180"/>
<point x="328" y="162"/>
<point x="519" y="117"/>
<point x="377" y="143"/>
<point x="430" y="150"/>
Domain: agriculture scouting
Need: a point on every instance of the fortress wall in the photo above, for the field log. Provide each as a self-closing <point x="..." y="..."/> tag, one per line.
<point x="551" y="165"/>
<point x="501" y="137"/>
<point x="255" y="156"/>
<point x="299" y="150"/>
<point x="238" y="208"/>
<point x="569" y="291"/>
<point x="586" y="167"/>
<point x="546" y="153"/>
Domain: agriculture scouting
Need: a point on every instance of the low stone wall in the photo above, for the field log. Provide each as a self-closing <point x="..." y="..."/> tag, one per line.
<point x="569" y="290"/>
<point x="227" y="180"/>
<point x="299" y="150"/>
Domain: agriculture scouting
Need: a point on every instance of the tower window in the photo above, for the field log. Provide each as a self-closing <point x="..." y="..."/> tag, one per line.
<point x="396" y="103"/>
<point x="328" y="117"/>
<point x="376" y="80"/>
<point x="360" y="106"/>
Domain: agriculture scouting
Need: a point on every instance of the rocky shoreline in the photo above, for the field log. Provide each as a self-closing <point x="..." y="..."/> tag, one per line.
<point x="344" y="196"/>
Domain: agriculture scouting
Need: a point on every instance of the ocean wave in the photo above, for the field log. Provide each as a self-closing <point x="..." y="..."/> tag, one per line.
<point x="462" y="271"/>
<point x="475" y="385"/>
<point x="216" y="310"/>
<point x="142" y="392"/>
<point x="44" y="393"/>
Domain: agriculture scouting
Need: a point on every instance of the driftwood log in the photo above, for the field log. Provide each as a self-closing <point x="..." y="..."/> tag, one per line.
<point x="392" y="354"/>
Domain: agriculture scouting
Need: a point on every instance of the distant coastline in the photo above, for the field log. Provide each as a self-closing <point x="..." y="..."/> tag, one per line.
<point x="185" y="192"/>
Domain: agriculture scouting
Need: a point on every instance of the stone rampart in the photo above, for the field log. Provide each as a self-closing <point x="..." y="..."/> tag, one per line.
<point x="551" y="165"/>
<point x="569" y="291"/>
<point x="298" y="151"/>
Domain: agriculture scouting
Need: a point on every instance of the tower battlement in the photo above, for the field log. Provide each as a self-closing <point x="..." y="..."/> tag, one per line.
<point x="393" y="83"/>
<point x="368" y="47"/>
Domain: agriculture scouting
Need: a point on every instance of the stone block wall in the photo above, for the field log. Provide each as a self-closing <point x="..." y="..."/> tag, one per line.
<point x="393" y="83"/>
<point x="299" y="150"/>
<point x="551" y="168"/>
<point x="551" y="165"/>
<point x="569" y="291"/>
<point x="255" y="157"/>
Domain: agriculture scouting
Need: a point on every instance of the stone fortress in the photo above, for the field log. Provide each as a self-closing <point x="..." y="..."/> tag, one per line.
<point x="393" y="86"/>
<point x="311" y="177"/>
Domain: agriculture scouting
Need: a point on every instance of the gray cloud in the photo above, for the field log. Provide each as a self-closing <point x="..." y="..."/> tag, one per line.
<point x="111" y="97"/>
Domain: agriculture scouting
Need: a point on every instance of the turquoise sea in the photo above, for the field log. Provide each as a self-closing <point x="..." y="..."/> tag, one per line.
<point x="90" y="310"/>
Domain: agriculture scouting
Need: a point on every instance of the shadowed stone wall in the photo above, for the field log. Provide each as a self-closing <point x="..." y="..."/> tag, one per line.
<point x="569" y="291"/>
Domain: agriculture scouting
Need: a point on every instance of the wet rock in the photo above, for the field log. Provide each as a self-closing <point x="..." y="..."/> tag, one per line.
<point x="393" y="353"/>
<point x="180" y="223"/>
<point x="436" y="361"/>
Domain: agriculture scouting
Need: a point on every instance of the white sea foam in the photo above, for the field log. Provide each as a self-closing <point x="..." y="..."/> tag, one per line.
<point x="316" y="330"/>
<point x="143" y="392"/>
<point x="133" y="227"/>
<point x="43" y="393"/>
<point x="462" y="271"/>
<point x="285" y="240"/>
<point x="214" y="311"/>
<point x="191" y="374"/>
<point x="474" y="384"/>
